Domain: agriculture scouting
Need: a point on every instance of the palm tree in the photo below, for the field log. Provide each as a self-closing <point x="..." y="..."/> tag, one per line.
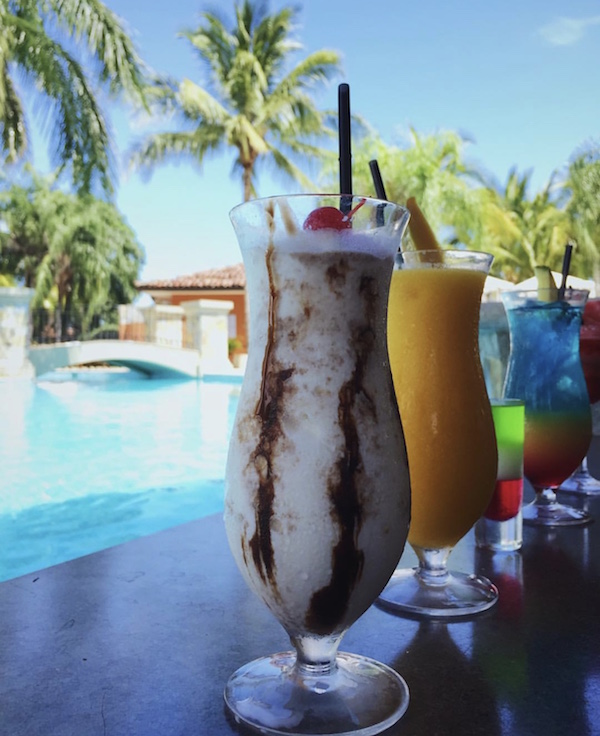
<point x="91" y="259"/>
<point x="433" y="169"/>
<point x="582" y="192"/>
<point x="465" y="208"/>
<point x="526" y="232"/>
<point x="76" y="251"/>
<point x="253" y="103"/>
<point x="36" y="40"/>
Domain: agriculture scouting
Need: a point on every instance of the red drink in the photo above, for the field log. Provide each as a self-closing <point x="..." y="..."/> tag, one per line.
<point x="506" y="501"/>
<point x="581" y="482"/>
<point x="589" y="348"/>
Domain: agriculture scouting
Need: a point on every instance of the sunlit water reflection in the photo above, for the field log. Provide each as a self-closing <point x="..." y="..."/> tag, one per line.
<point x="89" y="463"/>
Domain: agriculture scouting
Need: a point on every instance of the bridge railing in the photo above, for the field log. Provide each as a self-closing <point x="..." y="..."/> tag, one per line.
<point x="50" y="326"/>
<point x="166" y="327"/>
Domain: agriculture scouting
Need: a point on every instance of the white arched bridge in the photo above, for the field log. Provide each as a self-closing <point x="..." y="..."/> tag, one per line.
<point x="150" y="358"/>
<point x="161" y="340"/>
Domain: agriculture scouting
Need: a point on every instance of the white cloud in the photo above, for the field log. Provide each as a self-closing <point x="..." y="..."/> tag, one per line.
<point x="567" y="31"/>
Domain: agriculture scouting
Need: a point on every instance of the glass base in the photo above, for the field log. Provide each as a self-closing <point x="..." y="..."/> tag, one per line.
<point x="360" y="696"/>
<point x="459" y="595"/>
<point x="552" y="513"/>
<point x="581" y="483"/>
<point x="500" y="536"/>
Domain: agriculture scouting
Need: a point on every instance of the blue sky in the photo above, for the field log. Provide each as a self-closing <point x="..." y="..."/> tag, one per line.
<point x="519" y="78"/>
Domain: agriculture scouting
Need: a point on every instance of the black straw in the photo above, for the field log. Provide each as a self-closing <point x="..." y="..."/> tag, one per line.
<point x="377" y="180"/>
<point x="566" y="265"/>
<point x="379" y="191"/>
<point x="345" y="147"/>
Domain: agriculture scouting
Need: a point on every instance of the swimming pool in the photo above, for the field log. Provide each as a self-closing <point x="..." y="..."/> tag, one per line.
<point x="95" y="458"/>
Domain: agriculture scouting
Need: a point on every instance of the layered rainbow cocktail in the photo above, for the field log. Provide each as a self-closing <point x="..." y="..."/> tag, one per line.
<point x="545" y="371"/>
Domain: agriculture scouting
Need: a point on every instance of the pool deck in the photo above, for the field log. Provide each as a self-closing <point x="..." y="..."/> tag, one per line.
<point x="138" y="640"/>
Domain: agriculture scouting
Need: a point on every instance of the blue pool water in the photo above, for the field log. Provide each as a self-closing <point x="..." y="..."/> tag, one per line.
<point x="92" y="462"/>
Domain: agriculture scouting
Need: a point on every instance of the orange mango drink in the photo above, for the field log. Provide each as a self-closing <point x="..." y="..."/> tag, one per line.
<point x="433" y="343"/>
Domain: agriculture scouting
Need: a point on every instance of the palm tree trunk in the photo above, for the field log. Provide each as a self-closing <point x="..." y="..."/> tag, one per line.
<point x="58" y="323"/>
<point x="68" y="315"/>
<point x="247" y="181"/>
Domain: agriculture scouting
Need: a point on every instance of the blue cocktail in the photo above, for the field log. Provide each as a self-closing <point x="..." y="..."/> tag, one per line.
<point x="545" y="371"/>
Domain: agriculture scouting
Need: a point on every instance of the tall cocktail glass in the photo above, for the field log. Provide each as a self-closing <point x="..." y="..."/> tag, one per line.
<point x="544" y="369"/>
<point x="581" y="482"/>
<point x="433" y="339"/>
<point x="317" y="489"/>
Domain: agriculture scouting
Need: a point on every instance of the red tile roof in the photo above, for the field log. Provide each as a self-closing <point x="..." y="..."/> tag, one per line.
<point x="226" y="277"/>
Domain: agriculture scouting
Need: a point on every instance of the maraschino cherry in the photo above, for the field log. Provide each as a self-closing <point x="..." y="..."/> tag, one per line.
<point x="327" y="218"/>
<point x="330" y="218"/>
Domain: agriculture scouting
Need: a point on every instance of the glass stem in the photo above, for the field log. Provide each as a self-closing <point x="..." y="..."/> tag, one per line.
<point x="315" y="655"/>
<point x="432" y="568"/>
<point x="581" y="475"/>
<point x="545" y="496"/>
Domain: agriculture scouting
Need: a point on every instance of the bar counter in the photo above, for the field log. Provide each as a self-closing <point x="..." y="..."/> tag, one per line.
<point x="138" y="640"/>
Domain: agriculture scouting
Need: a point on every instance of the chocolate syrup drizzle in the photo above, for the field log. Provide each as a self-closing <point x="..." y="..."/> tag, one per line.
<point x="268" y="410"/>
<point x="328" y="606"/>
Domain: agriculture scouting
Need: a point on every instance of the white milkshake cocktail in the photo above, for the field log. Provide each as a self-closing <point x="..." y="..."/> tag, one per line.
<point x="317" y="489"/>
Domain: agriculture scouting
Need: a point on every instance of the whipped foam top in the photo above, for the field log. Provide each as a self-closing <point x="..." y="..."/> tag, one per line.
<point x="275" y="224"/>
<point x="326" y="241"/>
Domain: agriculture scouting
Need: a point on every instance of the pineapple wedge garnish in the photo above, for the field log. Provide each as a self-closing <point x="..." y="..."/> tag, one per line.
<point x="422" y="234"/>
<point x="547" y="289"/>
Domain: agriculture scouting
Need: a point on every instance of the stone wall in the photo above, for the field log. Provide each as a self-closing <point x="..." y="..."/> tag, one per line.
<point x="206" y="330"/>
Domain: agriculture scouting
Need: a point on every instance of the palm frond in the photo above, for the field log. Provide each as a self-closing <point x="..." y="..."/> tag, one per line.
<point x="174" y="146"/>
<point x="310" y="151"/>
<point x="13" y="125"/>
<point x="316" y="68"/>
<point x="198" y="105"/>
<point x="241" y="133"/>
<point x="83" y="140"/>
<point x="246" y="84"/>
<point x="292" y="118"/>
<point x="285" y="165"/>
<point x="214" y="44"/>
<point x="271" y="40"/>
<point x="120" y="65"/>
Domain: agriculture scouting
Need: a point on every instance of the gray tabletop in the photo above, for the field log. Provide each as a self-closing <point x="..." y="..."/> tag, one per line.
<point x="139" y="640"/>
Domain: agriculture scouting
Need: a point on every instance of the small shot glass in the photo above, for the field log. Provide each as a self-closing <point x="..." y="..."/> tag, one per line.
<point x="500" y="529"/>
